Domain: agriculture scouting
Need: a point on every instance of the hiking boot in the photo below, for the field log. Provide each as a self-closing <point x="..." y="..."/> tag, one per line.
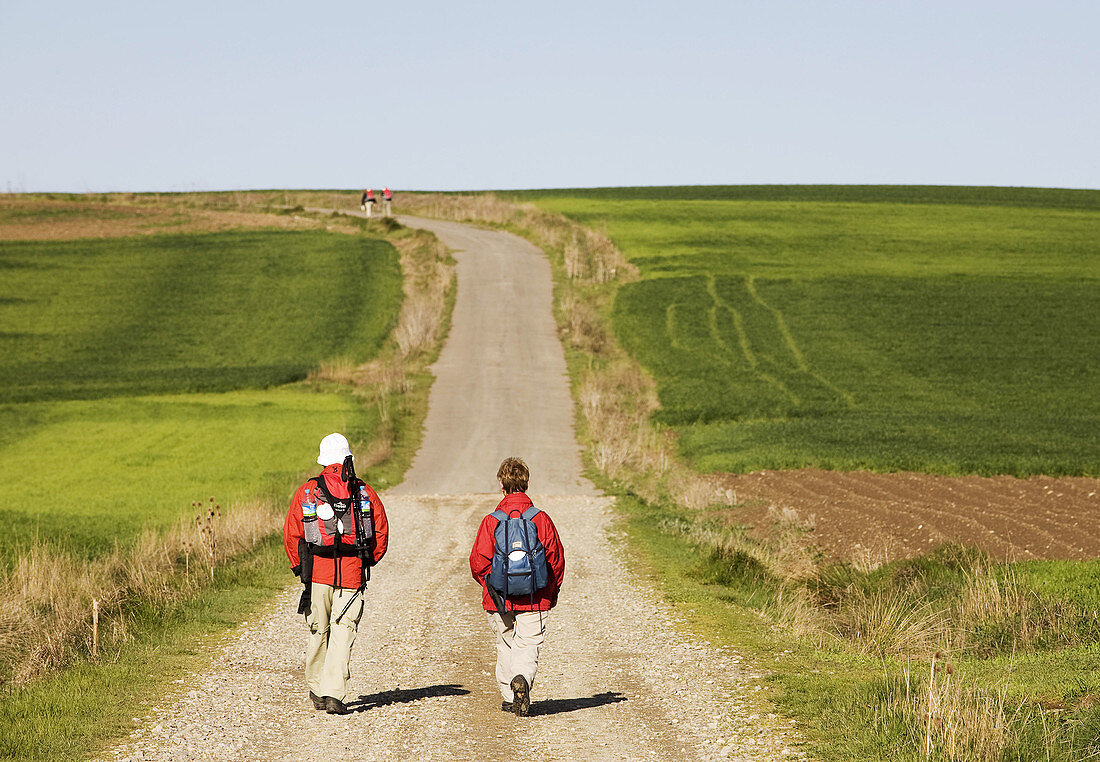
<point x="522" y="692"/>
<point x="507" y="706"/>
<point x="335" y="706"/>
<point x="318" y="702"/>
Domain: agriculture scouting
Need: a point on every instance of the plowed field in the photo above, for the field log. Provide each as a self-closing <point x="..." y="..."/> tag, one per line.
<point x="863" y="515"/>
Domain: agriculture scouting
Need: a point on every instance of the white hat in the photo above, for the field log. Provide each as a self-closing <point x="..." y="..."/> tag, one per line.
<point x="334" y="448"/>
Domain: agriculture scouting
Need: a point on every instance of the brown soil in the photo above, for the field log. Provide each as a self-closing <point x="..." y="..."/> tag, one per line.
<point x="44" y="220"/>
<point x="877" y="517"/>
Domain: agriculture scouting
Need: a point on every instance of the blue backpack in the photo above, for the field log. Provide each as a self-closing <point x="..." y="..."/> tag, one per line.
<point x="519" y="560"/>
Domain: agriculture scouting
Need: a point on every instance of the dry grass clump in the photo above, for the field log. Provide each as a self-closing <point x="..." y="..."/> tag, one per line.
<point x="580" y="325"/>
<point x="589" y="255"/>
<point x="780" y="561"/>
<point x="997" y="613"/>
<point x="616" y="401"/>
<point x="796" y="611"/>
<point x="46" y="612"/>
<point x="339" y="370"/>
<point x="429" y="279"/>
<point x="948" y="718"/>
<point x="478" y="207"/>
<point x="795" y="556"/>
<point x="889" y="622"/>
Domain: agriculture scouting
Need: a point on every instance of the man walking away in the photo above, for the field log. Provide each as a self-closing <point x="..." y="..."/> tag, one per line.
<point x="387" y="202"/>
<point x="333" y="525"/>
<point x="366" y="203"/>
<point x="518" y="620"/>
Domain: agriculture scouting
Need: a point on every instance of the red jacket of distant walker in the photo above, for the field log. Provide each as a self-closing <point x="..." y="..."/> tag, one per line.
<point x="481" y="557"/>
<point x="325" y="570"/>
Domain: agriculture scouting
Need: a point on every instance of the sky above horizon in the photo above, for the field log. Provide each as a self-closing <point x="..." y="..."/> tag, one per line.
<point x="127" y="96"/>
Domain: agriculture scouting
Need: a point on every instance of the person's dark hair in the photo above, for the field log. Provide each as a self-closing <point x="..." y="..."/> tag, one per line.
<point x="513" y="475"/>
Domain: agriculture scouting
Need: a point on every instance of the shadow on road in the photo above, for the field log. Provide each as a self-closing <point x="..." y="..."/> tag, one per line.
<point x="404" y="696"/>
<point x="560" y="706"/>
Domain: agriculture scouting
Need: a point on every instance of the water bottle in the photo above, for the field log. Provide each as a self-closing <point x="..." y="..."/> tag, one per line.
<point x="364" y="512"/>
<point x="309" y="518"/>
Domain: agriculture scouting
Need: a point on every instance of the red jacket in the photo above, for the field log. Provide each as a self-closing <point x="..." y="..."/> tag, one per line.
<point x="324" y="569"/>
<point x="481" y="557"/>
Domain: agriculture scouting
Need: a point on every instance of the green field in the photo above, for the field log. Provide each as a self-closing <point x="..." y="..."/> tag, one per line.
<point x="93" y="318"/>
<point x="952" y="330"/>
<point x="140" y="374"/>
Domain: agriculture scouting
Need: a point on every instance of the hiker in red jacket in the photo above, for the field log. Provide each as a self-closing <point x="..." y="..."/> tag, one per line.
<point x="367" y="202"/>
<point x="319" y="537"/>
<point x="518" y="621"/>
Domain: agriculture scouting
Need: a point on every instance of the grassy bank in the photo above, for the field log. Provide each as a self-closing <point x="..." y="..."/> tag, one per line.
<point x="851" y="654"/>
<point x="66" y="715"/>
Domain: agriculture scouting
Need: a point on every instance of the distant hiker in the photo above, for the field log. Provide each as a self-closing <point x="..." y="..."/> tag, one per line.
<point x="387" y="201"/>
<point x="327" y="535"/>
<point x="519" y="561"/>
<point x="366" y="203"/>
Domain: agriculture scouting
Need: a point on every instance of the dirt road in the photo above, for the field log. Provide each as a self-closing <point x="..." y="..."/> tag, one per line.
<point x="618" y="679"/>
<point x="501" y="387"/>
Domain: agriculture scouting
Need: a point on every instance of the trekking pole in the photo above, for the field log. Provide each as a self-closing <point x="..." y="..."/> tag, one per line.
<point x="362" y="546"/>
<point x="362" y="587"/>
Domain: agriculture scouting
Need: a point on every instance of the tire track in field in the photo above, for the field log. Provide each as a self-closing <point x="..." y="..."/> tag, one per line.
<point x="742" y="339"/>
<point x="792" y="345"/>
<point x="797" y="369"/>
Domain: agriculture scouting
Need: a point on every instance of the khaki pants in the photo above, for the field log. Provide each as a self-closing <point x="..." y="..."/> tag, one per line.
<point x="520" y="635"/>
<point x="328" y="650"/>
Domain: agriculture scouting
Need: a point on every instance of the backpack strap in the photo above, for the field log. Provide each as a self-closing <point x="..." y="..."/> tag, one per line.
<point x="529" y="514"/>
<point x="320" y="488"/>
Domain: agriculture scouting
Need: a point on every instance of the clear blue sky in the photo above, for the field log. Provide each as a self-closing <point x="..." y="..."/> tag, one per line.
<point x="447" y="95"/>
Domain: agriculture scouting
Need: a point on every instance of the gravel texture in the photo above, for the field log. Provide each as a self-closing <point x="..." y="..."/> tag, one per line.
<point x="618" y="679"/>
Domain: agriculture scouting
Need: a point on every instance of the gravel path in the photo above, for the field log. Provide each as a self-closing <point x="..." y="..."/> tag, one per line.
<point x="619" y="677"/>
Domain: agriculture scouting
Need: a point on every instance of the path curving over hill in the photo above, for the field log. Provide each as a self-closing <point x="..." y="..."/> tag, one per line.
<point x="619" y="677"/>
<point x="501" y="387"/>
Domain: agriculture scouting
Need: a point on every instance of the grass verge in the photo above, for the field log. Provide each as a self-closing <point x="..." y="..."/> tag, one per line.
<point x="944" y="657"/>
<point x="70" y="714"/>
